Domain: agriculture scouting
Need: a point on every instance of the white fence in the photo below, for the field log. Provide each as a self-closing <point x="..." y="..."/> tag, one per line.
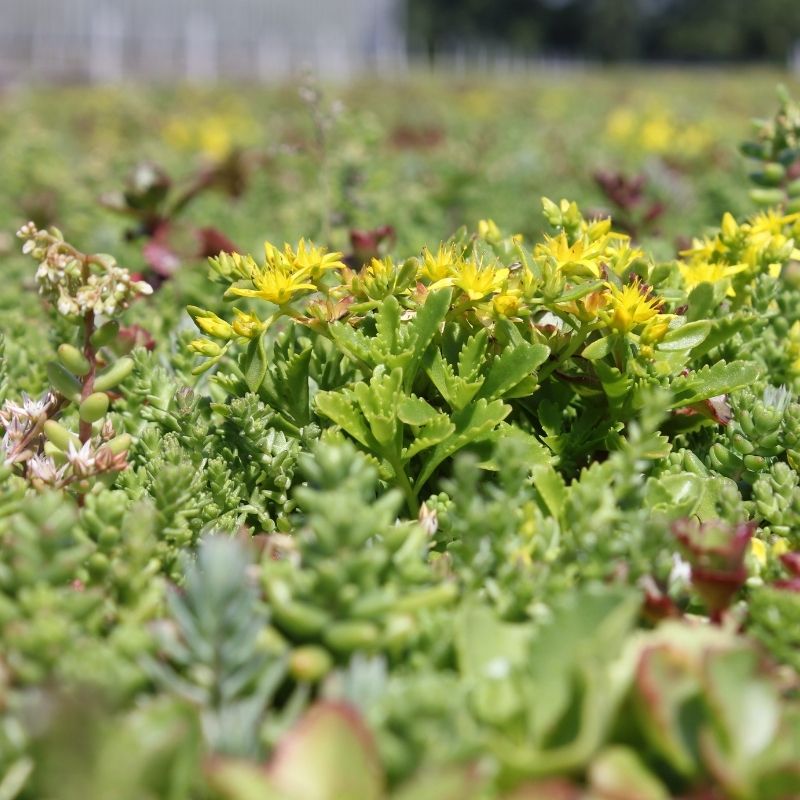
<point x="197" y="40"/>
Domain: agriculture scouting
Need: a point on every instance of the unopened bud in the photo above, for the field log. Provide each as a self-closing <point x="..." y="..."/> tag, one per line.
<point x="205" y="347"/>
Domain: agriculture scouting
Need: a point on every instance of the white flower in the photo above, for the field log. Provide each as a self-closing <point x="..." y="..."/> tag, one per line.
<point x="43" y="468"/>
<point x="81" y="460"/>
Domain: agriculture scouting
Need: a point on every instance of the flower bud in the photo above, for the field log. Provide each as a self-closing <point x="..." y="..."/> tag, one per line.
<point x="94" y="407"/>
<point x="247" y="325"/>
<point x="210" y="323"/>
<point x="205" y="347"/>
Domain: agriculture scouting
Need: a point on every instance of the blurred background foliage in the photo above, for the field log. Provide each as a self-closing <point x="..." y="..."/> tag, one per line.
<point x="612" y="30"/>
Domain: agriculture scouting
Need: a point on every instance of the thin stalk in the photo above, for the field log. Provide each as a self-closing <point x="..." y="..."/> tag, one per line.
<point x="89" y="352"/>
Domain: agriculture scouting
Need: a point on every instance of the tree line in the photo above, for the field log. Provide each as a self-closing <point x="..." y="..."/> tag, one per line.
<point x="610" y="30"/>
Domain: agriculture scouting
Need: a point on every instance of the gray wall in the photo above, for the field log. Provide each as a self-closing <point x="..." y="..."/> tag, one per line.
<point x="109" y="40"/>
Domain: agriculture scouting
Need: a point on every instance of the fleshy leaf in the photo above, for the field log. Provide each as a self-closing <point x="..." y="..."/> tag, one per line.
<point x="328" y="755"/>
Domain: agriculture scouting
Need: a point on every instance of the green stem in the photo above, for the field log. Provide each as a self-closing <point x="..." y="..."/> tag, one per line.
<point x="575" y="343"/>
<point x="405" y="485"/>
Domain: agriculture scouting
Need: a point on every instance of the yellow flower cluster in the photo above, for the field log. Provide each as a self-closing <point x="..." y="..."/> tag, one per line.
<point x="595" y="249"/>
<point x="285" y="275"/>
<point x="471" y="276"/>
<point x="761" y="244"/>
<point x="655" y="131"/>
<point x="213" y="135"/>
<point x="631" y="306"/>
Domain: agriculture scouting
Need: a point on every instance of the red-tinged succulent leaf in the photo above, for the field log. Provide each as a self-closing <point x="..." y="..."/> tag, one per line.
<point x="658" y="605"/>
<point x="131" y="336"/>
<point x="792" y="562"/>
<point x="619" y="774"/>
<point x="716" y="552"/>
<point x="407" y="137"/>
<point x="665" y="686"/>
<point x="328" y="755"/>
<point x="371" y="244"/>
<point x="790" y="585"/>
<point x="213" y="242"/>
<point x="716" y="408"/>
<point x="232" y="779"/>
<point x="457" y="783"/>
<point x="160" y="257"/>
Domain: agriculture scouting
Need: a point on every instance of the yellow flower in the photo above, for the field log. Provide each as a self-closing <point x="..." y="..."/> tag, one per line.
<point x="439" y="267"/>
<point x="696" y="272"/>
<point x="380" y="269"/>
<point x="506" y="304"/>
<point x="312" y="260"/>
<point x="657" y="134"/>
<point x="779" y="546"/>
<point x="215" y="137"/>
<point x="771" y="222"/>
<point x="576" y="258"/>
<point x="631" y="305"/>
<point x="477" y="281"/>
<point x="759" y="551"/>
<point x="598" y="228"/>
<point x="620" y="124"/>
<point x="656" y="329"/>
<point x="620" y="255"/>
<point x="276" y="282"/>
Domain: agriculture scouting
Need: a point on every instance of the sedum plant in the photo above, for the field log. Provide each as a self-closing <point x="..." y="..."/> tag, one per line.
<point x="497" y="518"/>
<point x="88" y="291"/>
